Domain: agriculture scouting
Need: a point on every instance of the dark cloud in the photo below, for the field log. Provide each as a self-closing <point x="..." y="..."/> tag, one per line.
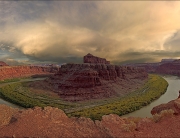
<point x="146" y="56"/>
<point x="64" y="31"/>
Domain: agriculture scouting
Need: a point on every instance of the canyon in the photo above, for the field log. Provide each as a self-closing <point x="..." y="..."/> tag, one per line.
<point x="94" y="79"/>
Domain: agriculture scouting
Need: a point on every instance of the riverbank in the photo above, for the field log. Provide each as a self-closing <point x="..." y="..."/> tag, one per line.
<point x="152" y="90"/>
<point x="171" y="94"/>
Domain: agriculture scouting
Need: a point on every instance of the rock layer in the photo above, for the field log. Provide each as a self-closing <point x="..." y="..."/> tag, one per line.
<point x="88" y="81"/>
<point x="168" y="67"/>
<point x="24" y="71"/>
<point x="89" y="58"/>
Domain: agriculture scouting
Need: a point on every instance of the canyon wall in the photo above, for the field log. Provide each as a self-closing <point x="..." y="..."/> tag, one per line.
<point x="88" y="81"/>
<point x="24" y="71"/>
<point x="169" y="67"/>
<point x="3" y="64"/>
<point x="89" y="58"/>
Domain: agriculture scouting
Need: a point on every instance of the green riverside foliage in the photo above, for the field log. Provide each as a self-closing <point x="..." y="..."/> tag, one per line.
<point x="19" y="95"/>
<point x="152" y="90"/>
<point x="10" y="80"/>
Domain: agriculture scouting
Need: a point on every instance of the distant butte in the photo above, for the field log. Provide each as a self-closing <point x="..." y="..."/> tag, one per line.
<point x="89" y="58"/>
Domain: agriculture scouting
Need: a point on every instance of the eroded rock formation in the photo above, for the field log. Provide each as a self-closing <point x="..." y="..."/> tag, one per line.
<point x="24" y="71"/>
<point x="53" y="122"/>
<point x="89" y="58"/>
<point x="86" y="81"/>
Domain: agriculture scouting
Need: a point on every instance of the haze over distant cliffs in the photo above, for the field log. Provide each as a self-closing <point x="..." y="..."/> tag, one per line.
<point x="166" y="66"/>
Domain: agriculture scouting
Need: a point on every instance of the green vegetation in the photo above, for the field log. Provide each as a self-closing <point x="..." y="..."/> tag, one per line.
<point x="152" y="90"/>
<point x="18" y="94"/>
<point x="10" y="80"/>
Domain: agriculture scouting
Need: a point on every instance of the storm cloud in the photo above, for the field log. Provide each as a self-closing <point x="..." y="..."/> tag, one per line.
<point x="64" y="31"/>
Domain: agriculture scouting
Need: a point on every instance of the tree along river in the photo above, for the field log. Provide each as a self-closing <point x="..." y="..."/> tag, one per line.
<point x="22" y="80"/>
<point x="171" y="94"/>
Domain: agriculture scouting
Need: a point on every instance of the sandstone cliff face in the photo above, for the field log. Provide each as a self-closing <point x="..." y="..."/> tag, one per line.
<point x="24" y="71"/>
<point x="53" y="122"/>
<point x="86" y="81"/>
<point x="89" y="58"/>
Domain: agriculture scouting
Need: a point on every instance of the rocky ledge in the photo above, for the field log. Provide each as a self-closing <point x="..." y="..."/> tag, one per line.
<point x="53" y="122"/>
<point x="76" y="82"/>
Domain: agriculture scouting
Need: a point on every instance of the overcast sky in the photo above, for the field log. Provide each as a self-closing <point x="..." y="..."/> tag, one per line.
<point x="65" y="31"/>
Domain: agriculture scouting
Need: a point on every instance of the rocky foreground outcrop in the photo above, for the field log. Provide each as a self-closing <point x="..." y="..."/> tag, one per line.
<point x="86" y="81"/>
<point x="24" y="71"/>
<point x="173" y="105"/>
<point x="53" y="122"/>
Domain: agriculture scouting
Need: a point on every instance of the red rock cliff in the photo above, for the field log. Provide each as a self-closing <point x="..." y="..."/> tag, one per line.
<point x="93" y="80"/>
<point x="89" y="58"/>
<point x="23" y="71"/>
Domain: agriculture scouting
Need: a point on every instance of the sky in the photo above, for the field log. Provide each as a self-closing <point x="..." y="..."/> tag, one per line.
<point x="59" y="32"/>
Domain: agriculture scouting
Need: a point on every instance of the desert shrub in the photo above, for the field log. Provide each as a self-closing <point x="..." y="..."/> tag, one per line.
<point x="128" y="127"/>
<point x="157" y="117"/>
<point x="169" y="112"/>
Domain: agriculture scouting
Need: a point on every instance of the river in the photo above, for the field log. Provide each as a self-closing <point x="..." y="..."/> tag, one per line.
<point x="171" y="94"/>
